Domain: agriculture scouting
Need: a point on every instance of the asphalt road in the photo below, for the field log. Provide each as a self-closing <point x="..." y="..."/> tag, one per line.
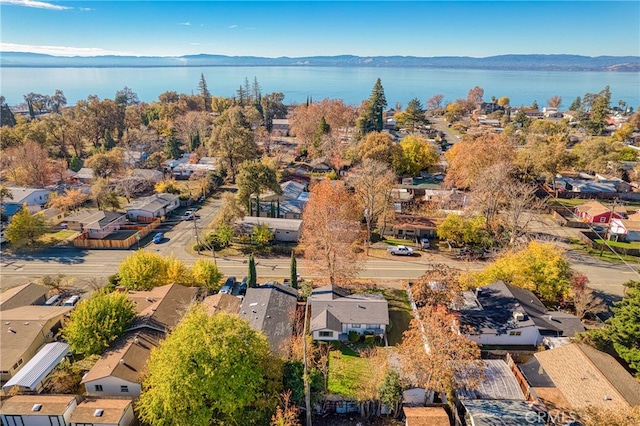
<point x="82" y="264"/>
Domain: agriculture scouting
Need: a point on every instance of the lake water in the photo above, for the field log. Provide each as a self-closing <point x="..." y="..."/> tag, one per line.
<point x="297" y="83"/>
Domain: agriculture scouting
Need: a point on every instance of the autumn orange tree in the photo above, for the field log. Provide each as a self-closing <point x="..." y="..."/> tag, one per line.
<point x="67" y="201"/>
<point x="439" y="285"/>
<point x="330" y="230"/>
<point x="470" y="158"/>
<point x="437" y="357"/>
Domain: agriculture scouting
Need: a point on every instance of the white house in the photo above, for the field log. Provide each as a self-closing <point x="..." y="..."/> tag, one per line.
<point x="284" y="230"/>
<point x="103" y="412"/>
<point x="119" y="370"/>
<point x="335" y="312"/>
<point x="503" y="315"/>
<point x="156" y="205"/>
<point x="625" y="230"/>
<point x="38" y="410"/>
<point x="35" y="198"/>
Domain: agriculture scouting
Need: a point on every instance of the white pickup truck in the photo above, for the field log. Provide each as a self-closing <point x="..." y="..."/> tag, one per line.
<point x="400" y="251"/>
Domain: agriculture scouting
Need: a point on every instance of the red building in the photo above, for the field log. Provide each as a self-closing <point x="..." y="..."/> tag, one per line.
<point x="596" y="212"/>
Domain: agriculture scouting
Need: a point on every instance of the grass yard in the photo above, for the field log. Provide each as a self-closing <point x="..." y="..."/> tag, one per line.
<point x="606" y="255"/>
<point x="57" y="236"/>
<point x="399" y="314"/>
<point x="346" y="370"/>
<point x="621" y="244"/>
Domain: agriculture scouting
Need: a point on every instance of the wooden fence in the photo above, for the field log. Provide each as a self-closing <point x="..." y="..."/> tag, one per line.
<point x="566" y="217"/>
<point x="84" y="241"/>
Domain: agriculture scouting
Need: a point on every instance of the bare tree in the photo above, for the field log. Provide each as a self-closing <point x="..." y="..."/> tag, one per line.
<point x="372" y="181"/>
<point x="555" y="101"/>
<point x="584" y="300"/>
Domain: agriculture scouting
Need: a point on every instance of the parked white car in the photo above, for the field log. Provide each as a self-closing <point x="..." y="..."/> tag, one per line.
<point x="400" y="251"/>
<point x="188" y="215"/>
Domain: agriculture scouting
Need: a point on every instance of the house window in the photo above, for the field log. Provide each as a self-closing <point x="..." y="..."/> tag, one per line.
<point x="370" y="326"/>
<point x="515" y="333"/>
<point x="326" y="334"/>
<point x="603" y="219"/>
<point x="124" y="388"/>
<point x="20" y="361"/>
<point x="356" y="325"/>
<point x="15" y="366"/>
<point x="98" y="388"/>
<point x="55" y="421"/>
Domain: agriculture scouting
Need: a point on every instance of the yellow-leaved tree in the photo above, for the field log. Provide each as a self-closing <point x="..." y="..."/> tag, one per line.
<point x="540" y="268"/>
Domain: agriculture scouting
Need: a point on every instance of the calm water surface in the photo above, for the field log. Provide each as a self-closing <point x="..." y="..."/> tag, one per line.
<point x="350" y="84"/>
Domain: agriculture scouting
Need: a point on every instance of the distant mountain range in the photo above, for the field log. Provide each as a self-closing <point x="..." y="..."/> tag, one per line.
<point x="502" y="62"/>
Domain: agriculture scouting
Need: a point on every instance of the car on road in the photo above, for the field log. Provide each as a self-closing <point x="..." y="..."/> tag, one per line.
<point x="400" y="251"/>
<point x="471" y="254"/>
<point x="157" y="239"/>
<point x="72" y="301"/>
<point x="188" y="215"/>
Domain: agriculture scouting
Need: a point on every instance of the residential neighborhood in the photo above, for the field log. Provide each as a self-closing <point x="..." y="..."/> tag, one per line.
<point x="468" y="263"/>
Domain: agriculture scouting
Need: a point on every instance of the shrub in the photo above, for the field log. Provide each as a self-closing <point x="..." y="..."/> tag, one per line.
<point x="354" y="336"/>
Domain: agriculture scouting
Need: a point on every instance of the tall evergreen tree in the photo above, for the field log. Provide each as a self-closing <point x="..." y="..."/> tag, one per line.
<point x="252" y="278"/>
<point x="6" y="115"/>
<point x="322" y="130"/>
<point x="172" y="145"/>
<point x="294" y="270"/>
<point x="372" y="119"/>
<point x="576" y="104"/>
<point x="204" y="92"/>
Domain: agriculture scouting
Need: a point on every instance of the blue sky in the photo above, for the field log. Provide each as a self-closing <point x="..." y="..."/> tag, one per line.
<point x="310" y="28"/>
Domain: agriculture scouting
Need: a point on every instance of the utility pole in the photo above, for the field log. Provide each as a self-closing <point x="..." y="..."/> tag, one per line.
<point x="195" y="227"/>
<point x="305" y="374"/>
<point x="606" y="231"/>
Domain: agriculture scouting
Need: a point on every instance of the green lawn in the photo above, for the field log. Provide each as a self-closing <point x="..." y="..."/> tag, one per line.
<point x="57" y="236"/>
<point x="621" y="244"/>
<point x="605" y="255"/>
<point x="399" y="314"/>
<point x="346" y="369"/>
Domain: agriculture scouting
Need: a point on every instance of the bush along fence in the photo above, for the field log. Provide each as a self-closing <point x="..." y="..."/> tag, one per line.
<point x="84" y="241"/>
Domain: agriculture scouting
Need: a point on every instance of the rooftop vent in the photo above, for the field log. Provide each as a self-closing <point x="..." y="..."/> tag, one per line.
<point x="518" y="316"/>
<point x="36" y="407"/>
<point x="136" y="341"/>
<point x="122" y="361"/>
<point x="11" y="330"/>
<point x="362" y="307"/>
<point x="98" y="412"/>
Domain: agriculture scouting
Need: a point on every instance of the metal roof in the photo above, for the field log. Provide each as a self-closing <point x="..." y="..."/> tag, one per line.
<point x="39" y="366"/>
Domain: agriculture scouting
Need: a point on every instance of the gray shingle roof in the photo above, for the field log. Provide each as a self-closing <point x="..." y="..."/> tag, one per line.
<point x="152" y="203"/>
<point x="270" y="308"/>
<point x="499" y="302"/>
<point x="347" y="308"/>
